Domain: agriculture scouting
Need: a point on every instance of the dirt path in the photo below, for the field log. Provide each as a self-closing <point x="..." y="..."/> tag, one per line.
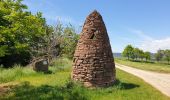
<point x="5" y="87"/>
<point x="158" y="80"/>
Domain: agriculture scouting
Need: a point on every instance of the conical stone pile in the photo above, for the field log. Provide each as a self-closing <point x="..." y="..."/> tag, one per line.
<point x="93" y="62"/>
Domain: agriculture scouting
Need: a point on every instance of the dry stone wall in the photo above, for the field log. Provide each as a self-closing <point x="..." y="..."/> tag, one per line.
<point x="93" y="62"/>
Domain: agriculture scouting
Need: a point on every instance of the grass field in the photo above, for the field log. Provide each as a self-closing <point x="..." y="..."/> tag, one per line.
<point x="57" y="85"/>
<point x="157" y="67"/>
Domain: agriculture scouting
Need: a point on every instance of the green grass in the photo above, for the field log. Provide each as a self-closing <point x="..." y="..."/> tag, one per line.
<point x="19" y="73"/>
<point x="7" y="75"/>
<point x="57" y="86"/>
<point x="157" y="67"/>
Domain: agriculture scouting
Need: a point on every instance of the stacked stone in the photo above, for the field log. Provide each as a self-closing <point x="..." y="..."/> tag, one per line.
<point x="93" y="62"/>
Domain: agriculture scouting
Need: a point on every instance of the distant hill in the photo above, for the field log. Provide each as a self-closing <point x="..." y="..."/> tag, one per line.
<point x="117" y="55"/>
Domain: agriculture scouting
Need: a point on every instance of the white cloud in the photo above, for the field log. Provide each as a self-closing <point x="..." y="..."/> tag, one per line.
<point x="156" y="44"/>
<point x="150" y="44"/>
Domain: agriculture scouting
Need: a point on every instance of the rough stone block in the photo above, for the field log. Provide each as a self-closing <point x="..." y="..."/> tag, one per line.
<point x="41" y="65"/>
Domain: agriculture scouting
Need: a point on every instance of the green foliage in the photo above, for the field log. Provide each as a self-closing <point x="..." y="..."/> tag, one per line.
<point x="167" y="55"/>
<point x="70" y="39"/>
<point x="128" y="52"/>
<point x="3" y="51"/>
<point x="64" y="38"/>
<point x="25" y="37"/>
<point x="159" y="55"/>
<point x="136" y="53"/>
<point x="139" y="54"/>
<point x="19" y="29"/>
<point x="147" y="55"/>
<point x="163" y="55"/>
<point x="67" y="39"/>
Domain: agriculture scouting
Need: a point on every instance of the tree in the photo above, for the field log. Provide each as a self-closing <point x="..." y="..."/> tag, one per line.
<point x="141" y="54"/>
<point x="19" y="30"/>
<point x="70" y="39"/>
<point x="128" y="52"/>
<point x="167" y="55"/>
<point x="147" y="55"/>
<point x="24" y="36"/>
<point x="53" y="41"/>
<point x="159" y="55"/>
<point x="136" y="53"/>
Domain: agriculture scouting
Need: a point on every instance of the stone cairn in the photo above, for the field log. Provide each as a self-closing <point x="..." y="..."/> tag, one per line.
<point x="93" y="62"/>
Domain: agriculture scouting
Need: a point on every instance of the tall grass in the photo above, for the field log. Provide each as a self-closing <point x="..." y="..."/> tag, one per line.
<point x="17" y="71"/>
<point x="61" y="64"/>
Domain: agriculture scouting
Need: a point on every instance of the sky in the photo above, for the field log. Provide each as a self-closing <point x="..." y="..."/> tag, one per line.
<point x="142" y="23"/>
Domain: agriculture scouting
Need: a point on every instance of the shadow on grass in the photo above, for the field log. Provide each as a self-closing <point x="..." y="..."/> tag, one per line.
<point x="150" y="62"/>
<point x="25" y="91"/>
<point x="69" y="91"/>
<point x="124" y="86"/>
<point x="48" y="72"/>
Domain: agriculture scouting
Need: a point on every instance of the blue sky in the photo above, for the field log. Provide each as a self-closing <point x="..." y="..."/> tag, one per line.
<point x="143" y="23"/>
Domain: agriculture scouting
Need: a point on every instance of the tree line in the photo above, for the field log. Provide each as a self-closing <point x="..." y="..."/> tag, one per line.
<point x="162" y="55"/>
<point x="132" y="53"/>
<point x="25" y="37"/>
<point x="135" y="53"/>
